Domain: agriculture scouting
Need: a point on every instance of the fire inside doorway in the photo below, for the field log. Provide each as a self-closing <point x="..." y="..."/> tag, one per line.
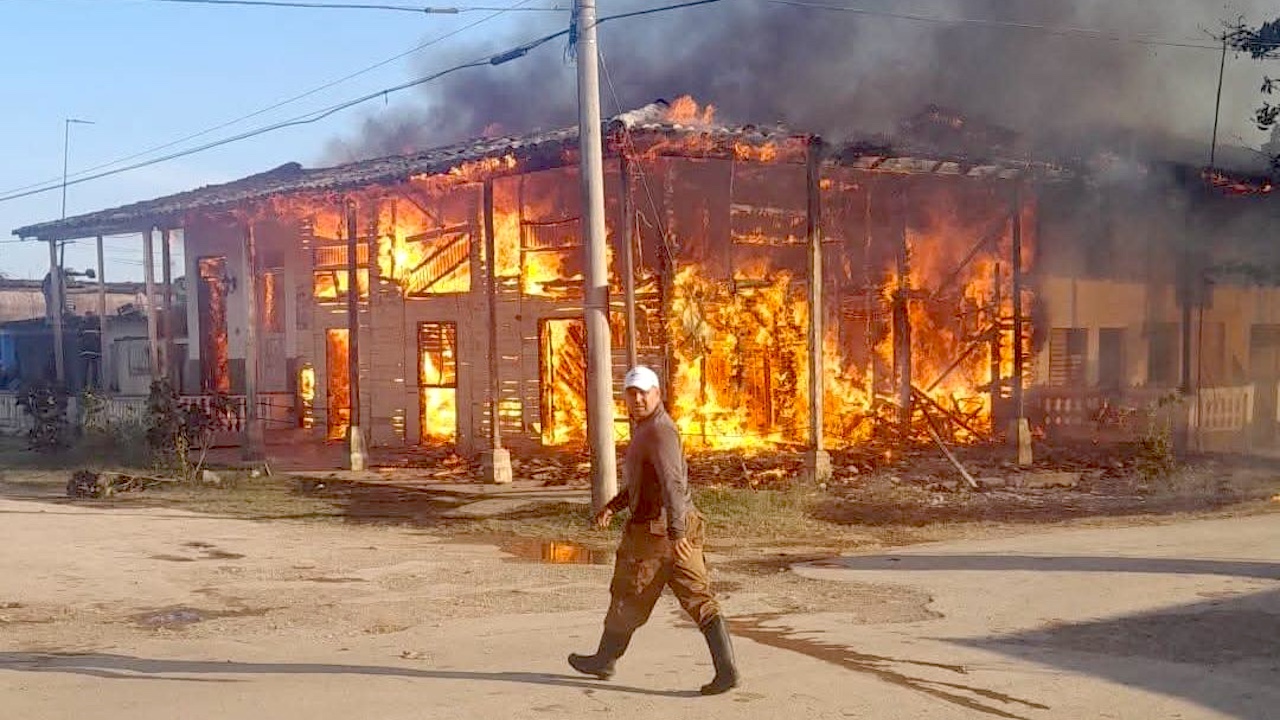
<point x="562" y="364"/>
<point x="215" y="370"/>
<point x="438" y="381"/>
<point x="339" y="382"/>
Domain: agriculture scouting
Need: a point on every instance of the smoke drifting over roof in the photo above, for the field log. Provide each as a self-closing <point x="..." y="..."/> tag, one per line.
<point x="843" y="74"/>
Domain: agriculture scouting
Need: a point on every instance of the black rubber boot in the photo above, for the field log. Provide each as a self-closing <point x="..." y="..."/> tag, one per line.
<point x="612" y="645"/>
<point x="717" y="634"/>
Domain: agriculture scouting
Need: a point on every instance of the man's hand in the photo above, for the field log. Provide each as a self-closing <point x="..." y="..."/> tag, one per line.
<point x="603" y="517"/>
<point x="684" y="549"/>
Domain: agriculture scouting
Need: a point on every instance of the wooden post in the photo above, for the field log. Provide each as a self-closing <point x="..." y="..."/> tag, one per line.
<point x="56" y="303"/>
<point x="628" y="226"/>
<point x="254" y="436"/>
<point x="149" y="275"/>
<point x="496" y="461"/>
<point x="1020" y="435"/>
<point x="902" y="318"/>
<point x="104" y="356"/>
<point x="997" y="332"/>
<point x="817" y="466"/>
<point x="166" y="275"/>
<point x="355" y="435"/>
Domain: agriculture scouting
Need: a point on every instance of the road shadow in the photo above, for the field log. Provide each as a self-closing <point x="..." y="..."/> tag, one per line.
<point x="125" y="667"/>
<point x="1222" y="654"/>
<point x="1052" y="563"/>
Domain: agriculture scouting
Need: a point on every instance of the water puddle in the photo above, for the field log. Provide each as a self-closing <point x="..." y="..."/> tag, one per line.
<point x="759" y="628"/>
<point x="555" y="553"/>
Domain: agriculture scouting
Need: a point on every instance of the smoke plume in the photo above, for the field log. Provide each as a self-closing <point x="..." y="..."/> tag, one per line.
<point x="845" y="74"/>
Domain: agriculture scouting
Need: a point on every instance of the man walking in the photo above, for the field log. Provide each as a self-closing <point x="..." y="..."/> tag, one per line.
<point x="662" y="543"/>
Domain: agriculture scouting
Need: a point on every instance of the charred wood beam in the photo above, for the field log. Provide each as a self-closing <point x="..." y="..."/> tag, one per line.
<point x="932" y="429"/>
<point x="1018" y="344"/>
<point x="902" y="316"/>
<point x="413" y="199"/>
<point x="990" y="237"/>
<point x="983" y="337"/>
<point x="628" y="224"/>
<point x="954" y="417"/>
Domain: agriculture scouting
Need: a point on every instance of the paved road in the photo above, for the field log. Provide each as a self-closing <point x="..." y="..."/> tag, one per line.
<point x="1172" y="621"/>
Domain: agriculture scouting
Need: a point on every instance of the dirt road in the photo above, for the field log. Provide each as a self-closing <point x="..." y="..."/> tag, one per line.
<point x="152" y="613"/>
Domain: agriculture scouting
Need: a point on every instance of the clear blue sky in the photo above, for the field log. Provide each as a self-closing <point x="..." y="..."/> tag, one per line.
<point x="147" y="73"/>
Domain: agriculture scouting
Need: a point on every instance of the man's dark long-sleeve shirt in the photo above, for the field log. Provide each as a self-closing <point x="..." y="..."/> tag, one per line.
<point x="657" y="479"/>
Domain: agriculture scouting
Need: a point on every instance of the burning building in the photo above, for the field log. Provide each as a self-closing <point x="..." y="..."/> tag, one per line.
<point x="458" y="272"/>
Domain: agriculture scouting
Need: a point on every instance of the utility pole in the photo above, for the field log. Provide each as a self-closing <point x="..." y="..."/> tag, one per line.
<point x="57" y="284"/>
<point x="355" y="434"/>
<point x="604" y="471"/>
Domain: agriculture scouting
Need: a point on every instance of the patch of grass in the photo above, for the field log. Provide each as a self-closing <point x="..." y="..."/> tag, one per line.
<point x="769" y="515"/>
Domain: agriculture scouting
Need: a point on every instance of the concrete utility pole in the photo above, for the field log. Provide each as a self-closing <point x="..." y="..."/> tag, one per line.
<point x="255" y="445"/>
<point x="604" y="470"/>
<point x="104" y="381"/>
<point x="355" y="435"/>
<point x="56" y="303"/>
<point x="149" y="276"/>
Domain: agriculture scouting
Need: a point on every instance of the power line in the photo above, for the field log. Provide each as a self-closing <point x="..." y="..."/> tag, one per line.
<point x="1094" y="33"/>
<point x="301" y="119"/>
<point x="496" y="59"/>
<point x="282" y="103"/>
<point x="428" y="10"/>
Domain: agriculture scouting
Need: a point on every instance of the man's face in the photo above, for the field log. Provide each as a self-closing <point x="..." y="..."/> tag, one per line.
<point x="642" y="403"/>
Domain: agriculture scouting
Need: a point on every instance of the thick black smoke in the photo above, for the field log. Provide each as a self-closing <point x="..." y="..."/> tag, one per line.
<point x="847" y="74"/>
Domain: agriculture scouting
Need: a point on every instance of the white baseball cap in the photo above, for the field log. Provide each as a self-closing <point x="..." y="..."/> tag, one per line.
<point x="641" y="378"/>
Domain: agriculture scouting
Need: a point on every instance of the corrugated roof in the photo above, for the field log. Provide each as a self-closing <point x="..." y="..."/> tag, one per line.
<point x="547" y="149"/>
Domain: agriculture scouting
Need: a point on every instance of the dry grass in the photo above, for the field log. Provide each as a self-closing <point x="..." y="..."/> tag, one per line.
<point x="881" y="509"/>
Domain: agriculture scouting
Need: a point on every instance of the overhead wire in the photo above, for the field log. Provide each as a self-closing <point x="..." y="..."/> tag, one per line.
<point x="417" y="9"/>
<point x="315" y="116"/>
<point x="282" y="103"/>
<point x="523" y="49"/>
<point x="1094" y="33"/>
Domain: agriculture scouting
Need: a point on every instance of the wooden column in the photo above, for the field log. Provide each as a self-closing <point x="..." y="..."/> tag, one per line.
<point x="104" y="362"/>
<point x="355" y="435"/>
<point x="149" y="275"/>
<point x="1018" y="349"/>
<point x="817" y="466"/>
<point x="1020" y="434"/>
<point x="56" y="303"/>
<point x="254" y="435"/>
<point x="628" y="226"/>
<point x="902" y="317"/>
<point x="166" y="275"/>
<point x="496" y="461"/>
<point x="997" y="333"/>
